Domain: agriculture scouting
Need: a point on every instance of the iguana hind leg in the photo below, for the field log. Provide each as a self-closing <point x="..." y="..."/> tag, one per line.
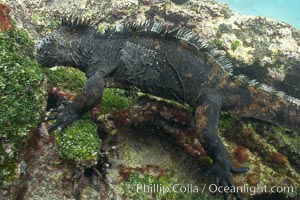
<point x="207" y="120"/>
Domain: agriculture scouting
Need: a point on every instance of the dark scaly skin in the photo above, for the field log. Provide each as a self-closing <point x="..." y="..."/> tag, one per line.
<point x="168" y="64"/>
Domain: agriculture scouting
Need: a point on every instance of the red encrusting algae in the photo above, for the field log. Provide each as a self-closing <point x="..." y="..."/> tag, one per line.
<point x="241" y="153"/>
<point x="5" y="23"/>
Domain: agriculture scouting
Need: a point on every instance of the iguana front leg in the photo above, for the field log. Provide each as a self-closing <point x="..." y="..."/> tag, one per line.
<point x="89" y="98"/>
<point x="207" y="120"/>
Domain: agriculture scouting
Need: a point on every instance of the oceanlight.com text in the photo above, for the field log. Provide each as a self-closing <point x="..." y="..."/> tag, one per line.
<point x="212" y="188"/>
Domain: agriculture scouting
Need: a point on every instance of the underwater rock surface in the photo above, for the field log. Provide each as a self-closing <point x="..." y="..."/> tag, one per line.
<point x="140" y="149"/>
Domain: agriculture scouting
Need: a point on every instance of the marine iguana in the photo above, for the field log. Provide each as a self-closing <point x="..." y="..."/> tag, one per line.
<point x="175" y="64"/>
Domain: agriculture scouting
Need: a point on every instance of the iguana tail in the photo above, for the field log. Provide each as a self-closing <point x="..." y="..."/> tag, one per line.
<point x="265" y="103"/>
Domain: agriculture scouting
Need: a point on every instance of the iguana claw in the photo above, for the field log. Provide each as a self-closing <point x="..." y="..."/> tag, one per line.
<point x="66" y="116"/>
<point x="222" y="178"/>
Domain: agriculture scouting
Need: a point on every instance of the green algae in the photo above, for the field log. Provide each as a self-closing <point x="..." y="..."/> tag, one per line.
<point x="67" y="78"/>
<point x="22" y="96"/>
<point x="219" y="43"/>
<point x="115" y="99"/>
<point x="79" y="142"/>
<point x="235" y="45"/>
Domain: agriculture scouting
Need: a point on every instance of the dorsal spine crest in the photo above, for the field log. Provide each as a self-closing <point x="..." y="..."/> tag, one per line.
<point x="180" y="33"/>
<point x="77" y="23"/>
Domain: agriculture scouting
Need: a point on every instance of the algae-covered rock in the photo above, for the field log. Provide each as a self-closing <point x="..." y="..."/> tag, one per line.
<point x="148" y="165"/>
<point x="260" y="48"/>
<point x="22" y="92"/>
<point x="69" y="79"/>
<point x="80" y="143"/>
<point x="268" y="50"/>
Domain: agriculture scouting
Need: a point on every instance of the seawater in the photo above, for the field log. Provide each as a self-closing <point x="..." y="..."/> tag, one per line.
<point x="283" y="10"/>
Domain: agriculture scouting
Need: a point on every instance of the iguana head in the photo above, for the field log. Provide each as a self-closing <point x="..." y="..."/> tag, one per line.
<point x="66" y="45"/>
<point x="49" y="52"/>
